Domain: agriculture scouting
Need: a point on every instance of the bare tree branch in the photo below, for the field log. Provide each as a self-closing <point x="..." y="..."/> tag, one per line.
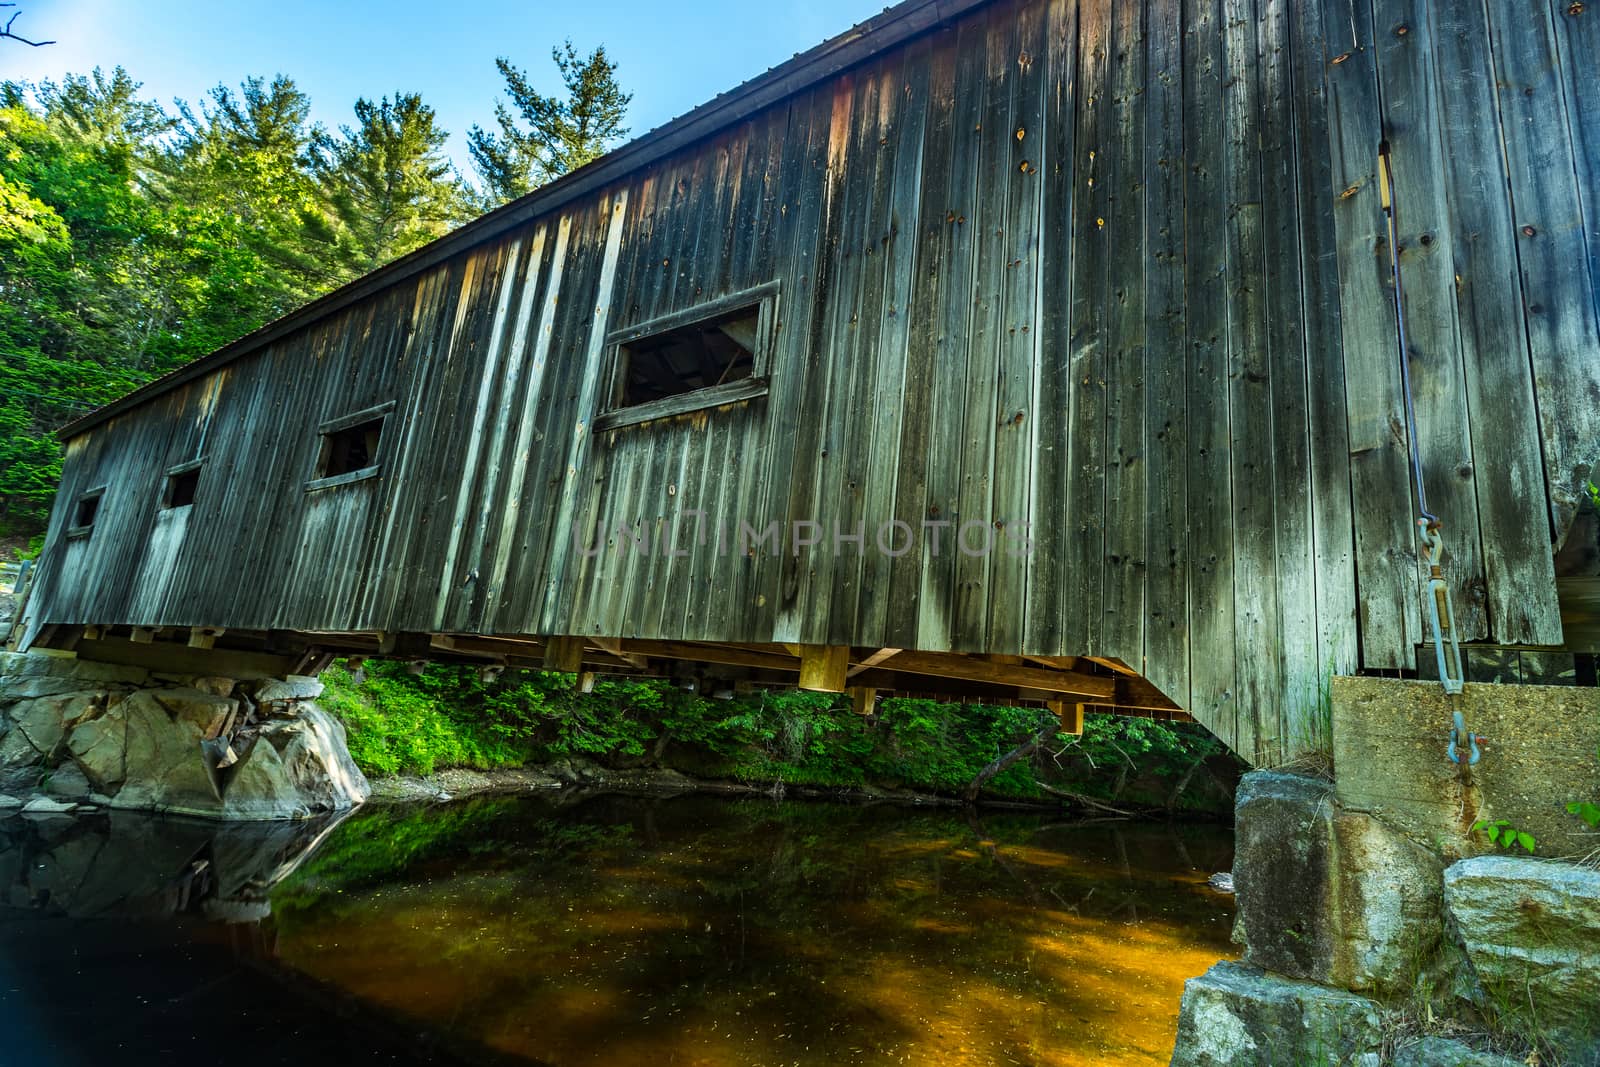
<point x="6" y="32"/>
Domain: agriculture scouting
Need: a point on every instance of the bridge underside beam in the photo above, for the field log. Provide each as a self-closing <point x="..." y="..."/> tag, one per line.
<point x="1097" y="685"/>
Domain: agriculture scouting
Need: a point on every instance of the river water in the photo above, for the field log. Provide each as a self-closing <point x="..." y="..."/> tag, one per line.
<point x="621" y="931"/>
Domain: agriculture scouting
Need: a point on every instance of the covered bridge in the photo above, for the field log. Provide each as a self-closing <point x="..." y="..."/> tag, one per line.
<point x="1019" y="349"/>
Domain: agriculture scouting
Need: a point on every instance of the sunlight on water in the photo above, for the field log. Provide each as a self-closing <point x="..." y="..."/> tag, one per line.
<point x="738" y="933"/>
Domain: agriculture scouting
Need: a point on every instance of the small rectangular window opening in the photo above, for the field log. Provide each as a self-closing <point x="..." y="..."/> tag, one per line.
<point x="85" y="510"/>
<point x="350" y="449"/>
<point x="700" y="355"/>
<point x="181" y="487"/>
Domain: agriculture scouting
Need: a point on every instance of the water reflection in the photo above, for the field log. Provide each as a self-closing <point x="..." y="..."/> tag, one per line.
<point x="615" y="931"/>
<point x="713" y="932"/>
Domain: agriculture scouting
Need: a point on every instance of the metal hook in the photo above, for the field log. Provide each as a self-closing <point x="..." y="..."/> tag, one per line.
<point x="1459" y="734"/>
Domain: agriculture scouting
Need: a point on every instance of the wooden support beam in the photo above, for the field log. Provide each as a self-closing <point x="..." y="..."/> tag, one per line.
<point x="1115" y="665"/>
<point x="1134" y="692"/>
<point x="564" y="654"/>
<point x="823" y="668"/>
<point x="476" y="645"/>
<point x="863" y="699"/>
<point x="397" y="645"/>
<point x="1070" y="714"/>
<point x="142" y="635"/>
<point x="614" y="646"/>
<point x="204" y="637"/>
<point x="872" y="661"/>
<point x="312" y="662"/>
<point x="979" y="670"/>
<point x="173" y="658"/>
<point x="585" y="682"/>
<point x="726" y="654"/>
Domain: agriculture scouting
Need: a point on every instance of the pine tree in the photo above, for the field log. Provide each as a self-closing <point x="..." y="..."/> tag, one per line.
<point x="242" y="170"/>
<point x="388" y="184"/>
<point x="562" y="134"/>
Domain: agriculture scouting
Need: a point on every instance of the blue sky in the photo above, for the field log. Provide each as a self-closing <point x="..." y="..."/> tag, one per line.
<point x="672" y="56"/>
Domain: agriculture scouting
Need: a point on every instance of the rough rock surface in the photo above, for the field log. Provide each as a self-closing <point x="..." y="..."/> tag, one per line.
<point x="1236" y="1016"/>
<point x="295" y="687"/>
<point x="96" y="733"/>
<point x="1389" y="911"/>
<point x="1327" y="895"/>
<point x="1283" y="863"/>
<point x="47" y="806"/>
<point x="1531" y="930"/>
<point x="1441" y="1052"/>
<point x="297" y="767"/>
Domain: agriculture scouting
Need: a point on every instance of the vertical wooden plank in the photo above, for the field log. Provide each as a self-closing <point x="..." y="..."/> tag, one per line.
<point x="1210" y="491"/>
<point x="1557" y="290"/>
<point x="1290" y="429"/>
<point x="535" y="390"/>
<point x="576" y="479"/>
<point x="1083" y="572"/>
<point x="805" y="600"/>
<point x="1126" y="515"/>
<point x="1411" y="123"/>
<point x="1255" y="593"/>
<point x="733" y="445"/>
<point x="822" y="330"/>
<point x="805" y="185"/>
<point x="741" y="569"/>
<point x="1166" y="380"/>
<point x="1386" y="554"/>
<point x="1017" y="377"/>
<point x="1507" y="468"/>
<point x="936" y="602"/>
<point x="556" y="609"/>
<point x="843" y="500"/>
<point x="893" y="388"/>
<point x="1047" y="508"/>
<point x="974" y="514"/>
<point x="454" y="586"/>
<point x="1578" y="51"/>
<point x="935" y="236"/>
<point x="1333" y="531"/>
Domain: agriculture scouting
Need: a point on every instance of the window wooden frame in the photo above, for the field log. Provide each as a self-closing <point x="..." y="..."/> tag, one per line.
<point x="167" y="482"/>
<point x="344" y="422"/>
<point x="78" y="530"/>
<point x="614" y="416"/>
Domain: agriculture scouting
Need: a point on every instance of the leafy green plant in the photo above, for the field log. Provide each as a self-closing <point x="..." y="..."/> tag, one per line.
<point x="399" y="722"/>
<point x="1589" y="813"/>
<point x="1502" y="834"/>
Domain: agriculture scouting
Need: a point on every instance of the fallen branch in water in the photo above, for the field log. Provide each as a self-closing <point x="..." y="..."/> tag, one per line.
<point x="1027" y="748"/>
<point x="1079" y="798"/>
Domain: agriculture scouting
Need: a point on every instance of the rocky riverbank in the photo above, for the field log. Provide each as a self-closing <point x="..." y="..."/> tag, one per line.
<point x="77" y="734"/>
<point x="586" y="778"/>
<point x="1365" y="945"/>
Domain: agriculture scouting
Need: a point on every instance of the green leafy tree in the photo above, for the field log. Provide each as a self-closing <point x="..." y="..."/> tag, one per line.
<point x="561" y="134"/>
<point x="240" y="181"/>
<point x="81" y="302"/>
<point x="387" y="182"/>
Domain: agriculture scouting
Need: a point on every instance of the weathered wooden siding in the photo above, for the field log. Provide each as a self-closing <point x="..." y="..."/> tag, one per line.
<point x="1113" y="274"/>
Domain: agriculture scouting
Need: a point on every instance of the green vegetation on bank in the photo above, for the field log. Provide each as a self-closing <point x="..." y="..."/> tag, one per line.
<point x="401" y="722"/>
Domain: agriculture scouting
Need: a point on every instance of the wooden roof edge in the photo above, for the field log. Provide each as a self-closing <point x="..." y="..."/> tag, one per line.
<point x="888" y="29"/>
